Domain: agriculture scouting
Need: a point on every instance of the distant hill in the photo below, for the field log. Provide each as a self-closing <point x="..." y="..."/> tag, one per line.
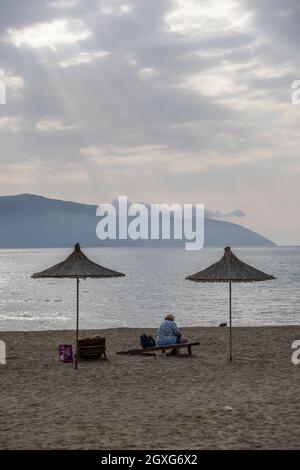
<point x="29" y="221"/>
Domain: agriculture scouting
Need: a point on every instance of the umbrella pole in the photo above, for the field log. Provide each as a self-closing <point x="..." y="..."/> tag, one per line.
<point x="230" y="322"/>
<point x="77" y="324"/>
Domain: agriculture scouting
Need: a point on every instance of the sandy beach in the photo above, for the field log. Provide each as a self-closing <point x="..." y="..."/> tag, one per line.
<point x="147" y="403"/>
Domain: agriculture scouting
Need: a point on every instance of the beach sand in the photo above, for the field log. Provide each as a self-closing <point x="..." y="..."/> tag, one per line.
<point x="133" y="402"/>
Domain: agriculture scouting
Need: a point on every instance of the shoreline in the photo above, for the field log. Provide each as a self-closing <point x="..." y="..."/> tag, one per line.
<point x="150" y="329"/>
<point x="121" y="403"/>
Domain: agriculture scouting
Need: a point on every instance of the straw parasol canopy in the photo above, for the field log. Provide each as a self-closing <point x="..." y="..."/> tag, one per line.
<point x="77" y="266"/>
<point x="230" y="269"/>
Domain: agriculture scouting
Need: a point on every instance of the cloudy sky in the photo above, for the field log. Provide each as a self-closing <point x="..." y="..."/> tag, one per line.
<point x="183" y="101"/>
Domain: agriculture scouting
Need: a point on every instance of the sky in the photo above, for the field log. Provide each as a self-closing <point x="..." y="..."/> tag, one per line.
<point x="165" y="101"/>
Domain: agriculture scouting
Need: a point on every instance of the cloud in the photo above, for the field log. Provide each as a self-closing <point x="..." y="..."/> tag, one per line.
<point x="13" y="82"/>
<point x="220" y="215"/>
<point x="63" y="4"/>
<point x="10" y="123"/>
<point x="56" y="33"/>
<point x="50" y="125"/>
<point x="25" y="174"/>
<point x="20" y="173"/>
<point x="116" y="9"/>
<point x="206" y="18"/>
<point x="113" y="155"/>
<point x="182" y="101"/>
<point x="83" y="58"/>
<point x="146" y="72"/>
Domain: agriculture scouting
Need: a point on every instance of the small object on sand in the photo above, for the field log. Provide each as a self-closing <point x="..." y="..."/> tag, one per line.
<point x="223" y="324"/>
<point x="228" y="408"/>
<point x="65" y="352"/>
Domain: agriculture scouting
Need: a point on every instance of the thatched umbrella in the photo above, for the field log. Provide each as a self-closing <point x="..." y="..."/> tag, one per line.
<point x="230" y="269"/>
<point x="77" y="266"/>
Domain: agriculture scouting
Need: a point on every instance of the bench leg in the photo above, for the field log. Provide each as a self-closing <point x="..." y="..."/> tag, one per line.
<point x="105" y="356"/>
<point x="190" y="350"/>
<point x="164" y="353"/>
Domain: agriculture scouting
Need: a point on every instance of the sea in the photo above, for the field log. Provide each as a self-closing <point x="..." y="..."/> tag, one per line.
<point x="154" y="286"/>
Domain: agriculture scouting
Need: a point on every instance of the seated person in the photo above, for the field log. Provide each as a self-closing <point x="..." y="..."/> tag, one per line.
<point x="169" y="332"/>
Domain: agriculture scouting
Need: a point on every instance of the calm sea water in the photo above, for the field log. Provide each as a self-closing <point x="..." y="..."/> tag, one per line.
<point x="154" y="285"/>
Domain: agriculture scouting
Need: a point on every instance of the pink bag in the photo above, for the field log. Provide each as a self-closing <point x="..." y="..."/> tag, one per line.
<point x="65" y="352"/>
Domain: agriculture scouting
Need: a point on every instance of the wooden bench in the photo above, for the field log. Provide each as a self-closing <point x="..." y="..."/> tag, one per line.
<point x="154" y="349"/>
<point x="89" y="348"/>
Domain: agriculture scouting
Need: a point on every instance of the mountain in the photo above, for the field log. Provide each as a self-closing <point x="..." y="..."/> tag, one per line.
<point x="29" y="221"/>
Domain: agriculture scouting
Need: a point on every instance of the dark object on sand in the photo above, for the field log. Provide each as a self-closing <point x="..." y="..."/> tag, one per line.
<point x="230" y="269"/>
<point x="77" y="266"/>
<point x="223" y="324"/>
<point x="89" y="348"/>
<point x="152" y="351"/>
<point x="146" y="341"/>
